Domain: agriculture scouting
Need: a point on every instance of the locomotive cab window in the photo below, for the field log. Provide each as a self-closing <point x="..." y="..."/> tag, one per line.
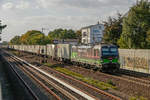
<point x="109" y="51"/>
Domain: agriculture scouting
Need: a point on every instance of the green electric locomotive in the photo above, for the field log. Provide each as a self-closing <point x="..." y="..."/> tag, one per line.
<point x="104" y="57"/>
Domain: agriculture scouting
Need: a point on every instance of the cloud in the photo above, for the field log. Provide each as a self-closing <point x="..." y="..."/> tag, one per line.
<point x="92" y="4"/>
<point x="45" y="3"/>
<point x="23" y="5"/>
<point x="7" y="6"/>
<point x="12" y="6"/>
<point x="24" y="15"/>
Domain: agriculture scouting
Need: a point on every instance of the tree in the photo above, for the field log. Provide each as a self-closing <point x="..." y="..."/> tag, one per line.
<point x="135" y="27"/>
<point x="33" y="37"/>
<point x="68" y="34"/>
<point x="5" y="43"/>
<point x="46" y="40"/>
<point x="148" y="38"/>
<point x="15" y="40"/>
<point x="79" y="35"/>
<point x="2" y="27"/>
<point x="113" y="29"/>
<point x="52" y="35"/>
<point x="62" y="34"/>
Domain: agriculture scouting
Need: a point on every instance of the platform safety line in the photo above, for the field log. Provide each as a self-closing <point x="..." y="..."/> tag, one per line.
<point x="65" y="84"/>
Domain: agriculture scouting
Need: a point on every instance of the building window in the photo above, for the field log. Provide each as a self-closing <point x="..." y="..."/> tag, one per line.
<point x="84" y="34"/>
<point x="84" y="40"/>
<point x="100" y="27"/>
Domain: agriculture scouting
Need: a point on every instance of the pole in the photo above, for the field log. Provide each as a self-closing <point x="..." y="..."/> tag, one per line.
<point x="1" y="28"/>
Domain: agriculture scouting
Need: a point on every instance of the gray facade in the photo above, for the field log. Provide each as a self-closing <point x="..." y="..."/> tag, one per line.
<point x="92" y="34"/>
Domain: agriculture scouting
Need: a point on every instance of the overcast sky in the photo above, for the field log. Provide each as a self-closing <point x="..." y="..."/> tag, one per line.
<point x="24" y="15"/>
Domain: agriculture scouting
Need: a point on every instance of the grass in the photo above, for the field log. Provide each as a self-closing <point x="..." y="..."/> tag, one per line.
<point x="15" y="53"/>
<point x="111" y="82"/>
<point x="138" y="98"/>
<point x="97" y="83"/>
<point x="48" y="64"/>
<point x="51" y="65"/>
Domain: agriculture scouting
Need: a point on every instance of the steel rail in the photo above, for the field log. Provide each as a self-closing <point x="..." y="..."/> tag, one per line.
<point x="22" y="80"/>
<point x="78" y="91"/>
<point x="67" y="94"/>
<point x="98" y="90"/>
<point x="43" y="85"/>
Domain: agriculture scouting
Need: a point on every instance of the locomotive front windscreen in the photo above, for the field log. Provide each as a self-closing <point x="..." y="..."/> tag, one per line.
<point x="109" y="51"/>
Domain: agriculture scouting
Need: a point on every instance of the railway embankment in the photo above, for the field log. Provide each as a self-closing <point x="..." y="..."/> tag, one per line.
<point x="5" y="86"/>
<point x="16" y="86"/>
<point x="13" y="89"/>
<point x="127" y="86"/>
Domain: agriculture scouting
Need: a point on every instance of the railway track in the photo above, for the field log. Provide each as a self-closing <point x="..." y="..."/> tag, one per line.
<point x="33" y="94"/>
<point x="132" y="78"/>
<point x="64" y="95"/>
<point x="45" y="77"/>
<point x="134" y="85"/>
<point x="138" y="81"/>
<point x="41" y="79"/>
<point x="145" y="78"/>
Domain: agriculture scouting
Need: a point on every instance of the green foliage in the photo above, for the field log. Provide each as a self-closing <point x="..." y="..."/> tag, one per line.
<point x="113" y="29"/>
<point x="79" y="35"/>
<point x="62" y="34"/>
<point x="15" y="53"/>
<point x="136" y="27"/>
<point x="33" y="37"/>
<point x="15" y="40"/>
<point x="138" y="98"/>
<point x="48" y="64"/>
<point x="148" y="38"/>
<point x="46" y="40"/>
<point x="5" y="43"/>
<point x="97" y="83"/>
<point x="111" y="82"/>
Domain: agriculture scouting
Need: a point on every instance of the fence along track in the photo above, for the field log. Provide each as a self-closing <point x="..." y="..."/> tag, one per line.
<point x="135" y="60"/>
<point x="83" y="94"/>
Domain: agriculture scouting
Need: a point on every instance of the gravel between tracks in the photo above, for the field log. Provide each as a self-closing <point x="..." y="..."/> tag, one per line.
<point x="124" y="88"/>
<point x="30" y="83"/>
